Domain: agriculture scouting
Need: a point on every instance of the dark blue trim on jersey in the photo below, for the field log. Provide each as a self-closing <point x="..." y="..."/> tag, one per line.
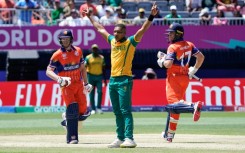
<point x="64" y="50"/>
<point x="176" y="40"/>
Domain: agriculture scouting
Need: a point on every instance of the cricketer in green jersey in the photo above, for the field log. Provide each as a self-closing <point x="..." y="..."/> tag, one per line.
<point x="121" y="80"/>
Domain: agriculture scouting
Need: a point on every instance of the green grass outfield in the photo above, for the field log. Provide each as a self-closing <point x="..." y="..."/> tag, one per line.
<point x="210" y="123"/>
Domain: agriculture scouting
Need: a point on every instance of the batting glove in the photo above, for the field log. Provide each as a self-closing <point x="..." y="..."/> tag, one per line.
<point x="161" y="55"/>
<point x="88" y="87"/>
<point x="64" y="81"/>
<point x="192" y="72"/>
<point x="161" y="58"/>
<point x="160" y="62"/>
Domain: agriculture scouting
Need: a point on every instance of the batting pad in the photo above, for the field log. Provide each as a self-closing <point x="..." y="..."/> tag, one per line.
<point x="72" y="122"/>
<point x="179" y="108"/>
<point x="84" y="116"/>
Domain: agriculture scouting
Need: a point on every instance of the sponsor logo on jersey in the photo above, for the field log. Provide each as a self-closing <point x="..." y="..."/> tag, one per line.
<point x="71" y="67"/>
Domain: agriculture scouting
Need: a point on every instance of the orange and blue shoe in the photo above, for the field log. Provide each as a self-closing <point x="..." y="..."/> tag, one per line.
<point x="197" y="110"/>
<point x="168" y="137"/>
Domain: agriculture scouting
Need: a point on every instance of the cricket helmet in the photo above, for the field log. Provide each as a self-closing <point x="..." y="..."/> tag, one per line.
<point x="65" y="34"/>
<point x="178" y="29"/>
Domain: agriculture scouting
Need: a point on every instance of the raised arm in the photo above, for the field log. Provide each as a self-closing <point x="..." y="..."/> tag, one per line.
<point x="139" y="34"/>
<point x="97" y="25"/>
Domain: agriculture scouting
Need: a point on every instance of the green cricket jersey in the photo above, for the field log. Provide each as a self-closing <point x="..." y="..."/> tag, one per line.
<point x="122" y="54"/>
<point x="95" y="64"/>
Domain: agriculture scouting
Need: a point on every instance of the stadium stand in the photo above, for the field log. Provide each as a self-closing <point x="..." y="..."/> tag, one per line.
<point x="195" y="14"/>
<point x="241" y="2"/>
<point x="132" y="14"/>
<point x="145" y="5"/>
<point x="129" y="6"/>
<point x="78" y="4"/>
<point x="180" y="5"/>
<point x="162" y="5"/>
<point x="213" y="13"/>
<point x="164" y="13"/>
<point x="184" y="14"/>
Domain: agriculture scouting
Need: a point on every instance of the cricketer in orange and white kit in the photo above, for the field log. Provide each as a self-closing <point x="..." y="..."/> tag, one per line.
<point x="69" y="63"/>
<point x="179" y="74"/>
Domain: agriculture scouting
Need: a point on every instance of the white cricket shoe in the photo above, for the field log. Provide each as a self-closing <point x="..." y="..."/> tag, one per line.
<point x="73" y="142"/>
<point x="115" y="144"/>
<point x="169" y="137"/>
<point x="64" y="116"/>
<point x="128" y="143"/>
<point x="63" y="123"/>
<point x="93" y="112"/>
<point x="99" y="111"/>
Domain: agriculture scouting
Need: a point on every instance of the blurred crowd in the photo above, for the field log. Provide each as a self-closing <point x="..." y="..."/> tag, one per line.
<point x="110" y="12"/>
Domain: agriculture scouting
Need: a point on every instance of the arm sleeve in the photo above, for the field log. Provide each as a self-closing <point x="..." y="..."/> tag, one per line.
<point x="110" y="37"/>
<point x="133" y="41"/>
<point x="53" y="63"/>
<point x="82" y="60"/>
<point x="103" y="62"/>
<point x="86" y="60"/>
<point x="194" y="50"/>
<point x="81" y="54"/>
<point x="171" y="55"/>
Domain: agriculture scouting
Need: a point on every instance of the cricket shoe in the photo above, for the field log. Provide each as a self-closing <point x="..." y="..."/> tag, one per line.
<point x="168" y="137"/>
<point x="93" y="112"/>
<point x="128" y="143"/>
<point x="99" y="111"/>
<point x="115" y="144"/>
<point x="169" y="140"/>
<point x="63" y="123"/>
<point x="84" y="116"/>
<point x="197" y="110"/>
<point x="73" y="142"/>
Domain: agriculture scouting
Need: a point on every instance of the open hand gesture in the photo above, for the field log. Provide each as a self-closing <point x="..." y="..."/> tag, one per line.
<point x="86" y="12"/>
<point x="154" y="9"/>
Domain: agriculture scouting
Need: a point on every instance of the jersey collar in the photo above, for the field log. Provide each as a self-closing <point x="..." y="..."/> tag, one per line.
<point x="122" y="40"/>
<point x="64" y="50"/>
<point x="177" y="40"/>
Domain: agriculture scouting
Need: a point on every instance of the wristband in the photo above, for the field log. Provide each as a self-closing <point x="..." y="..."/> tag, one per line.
<point x="150" y="18"/>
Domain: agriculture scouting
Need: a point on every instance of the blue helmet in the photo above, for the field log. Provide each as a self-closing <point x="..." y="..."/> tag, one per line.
<point x="65" y="34"/>
<point x="178" y="29"/>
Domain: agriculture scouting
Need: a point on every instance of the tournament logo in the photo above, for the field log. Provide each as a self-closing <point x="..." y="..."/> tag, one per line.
<point x="76" y="53"/>
<point x="65" y="32"/>
<point x="64" y="56"/>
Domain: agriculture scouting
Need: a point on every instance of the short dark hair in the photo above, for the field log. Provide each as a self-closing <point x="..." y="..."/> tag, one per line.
<point x="123" y="26"/>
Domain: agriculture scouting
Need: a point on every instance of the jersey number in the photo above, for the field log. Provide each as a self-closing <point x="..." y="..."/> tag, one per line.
<point x="185" y="58"/>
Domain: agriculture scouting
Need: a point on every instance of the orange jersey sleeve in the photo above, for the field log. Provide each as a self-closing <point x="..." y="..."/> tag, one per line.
<point x="68" y="63"/>
<point x="180" y="52"/>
